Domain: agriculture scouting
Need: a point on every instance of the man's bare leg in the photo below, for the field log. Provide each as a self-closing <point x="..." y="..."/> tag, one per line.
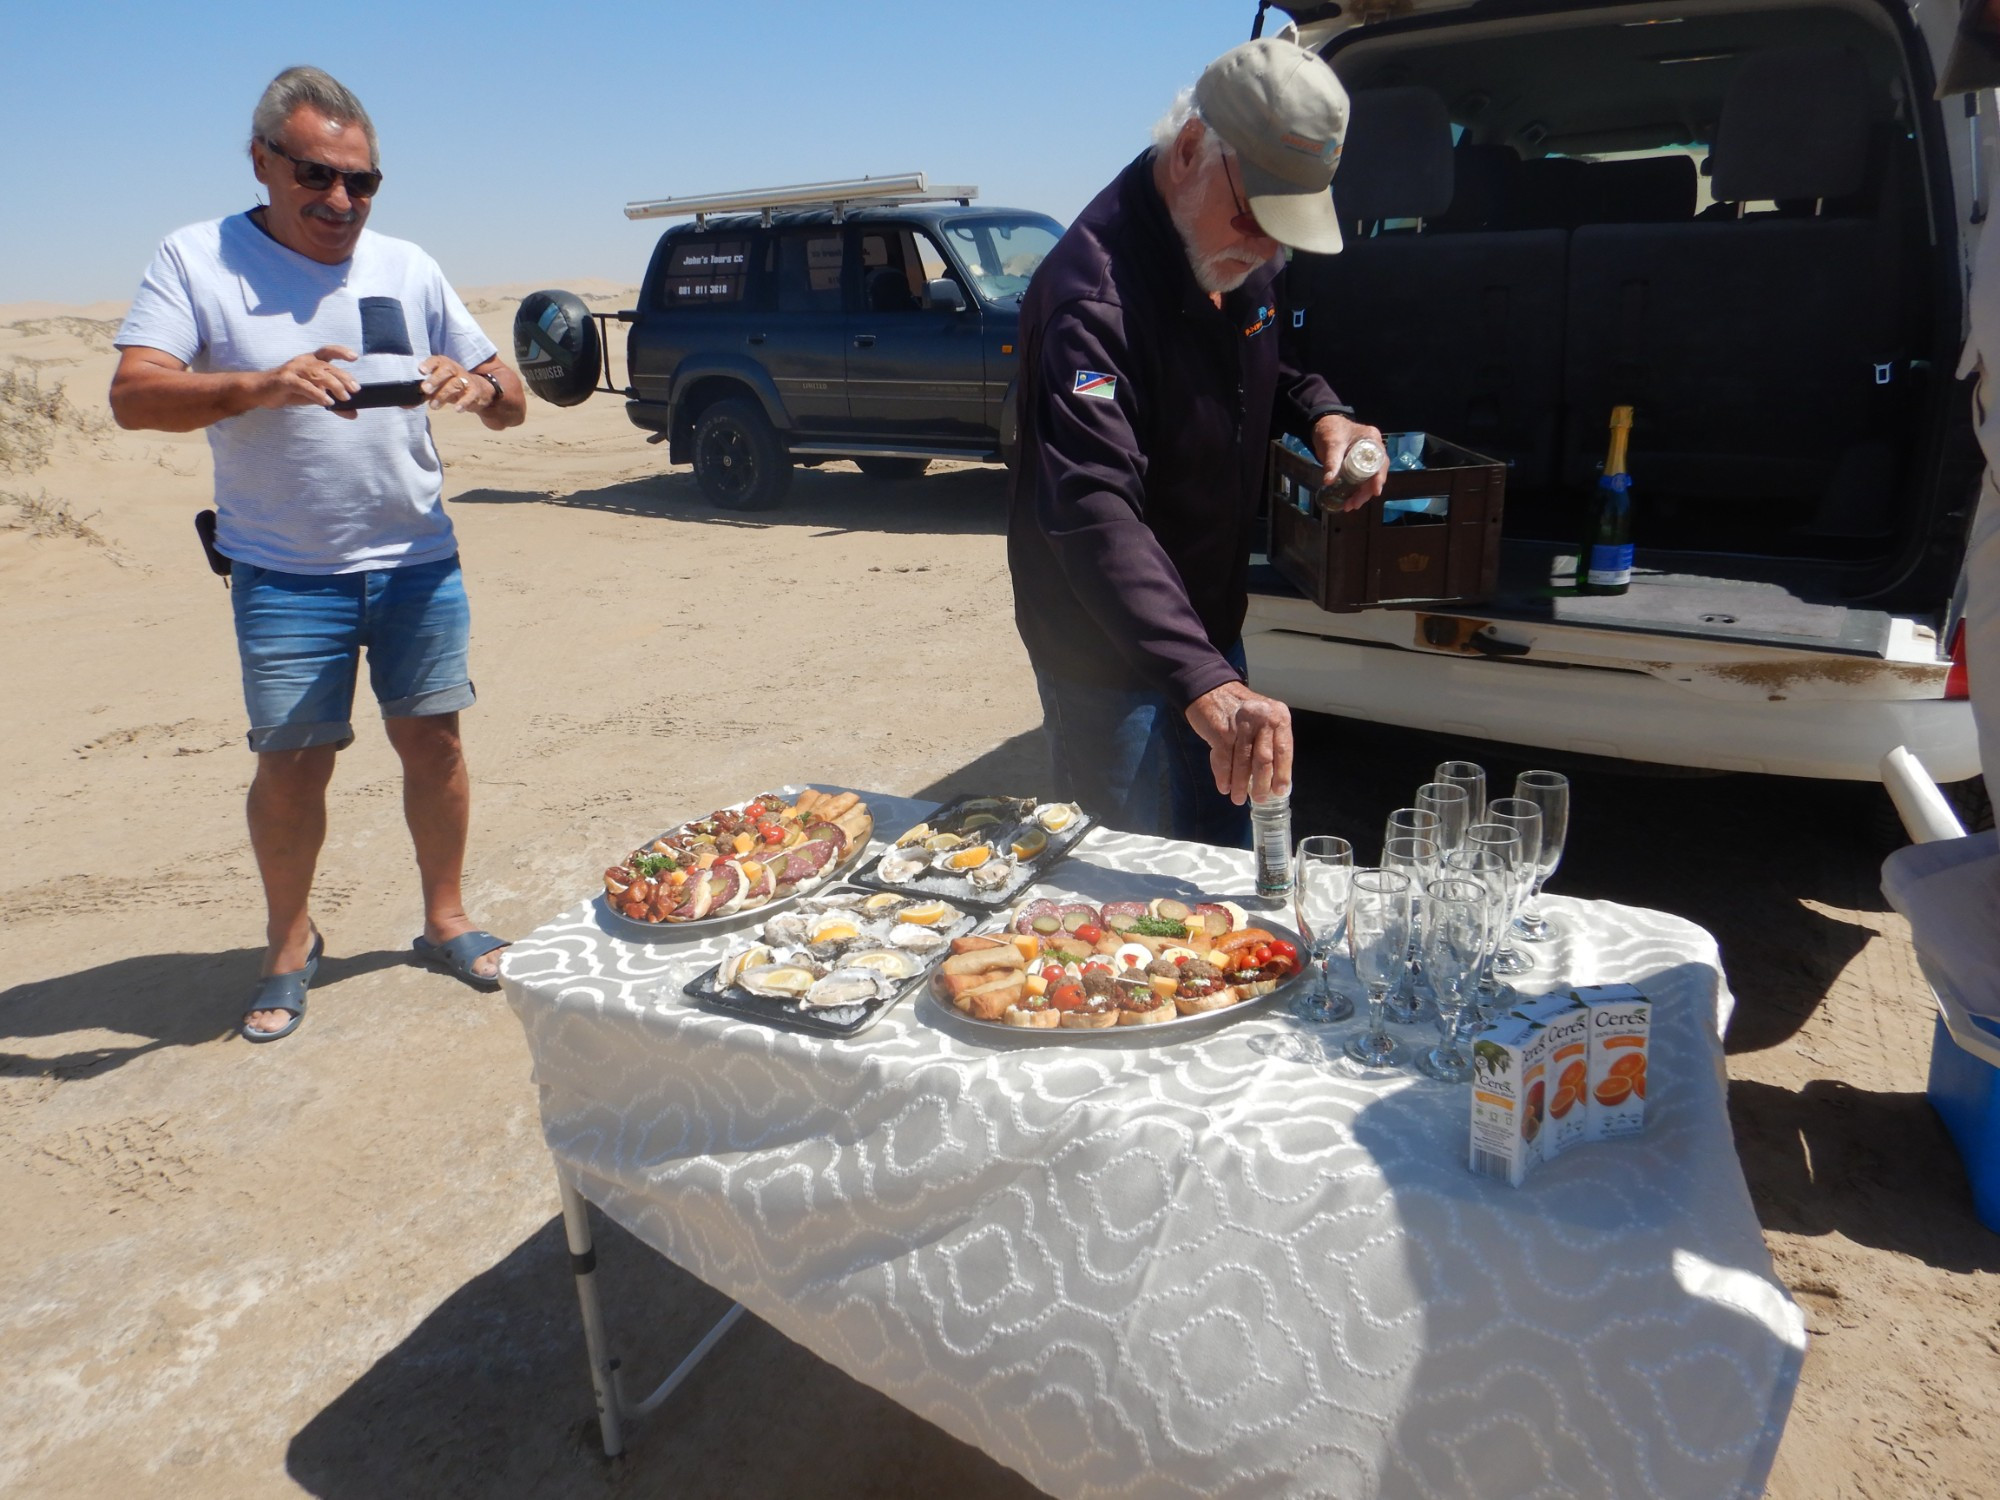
<point x="437" y="804"/>
<point x="287" y="814"/>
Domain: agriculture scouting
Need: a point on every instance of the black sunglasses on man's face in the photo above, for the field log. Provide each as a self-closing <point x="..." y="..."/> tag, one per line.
<point x="317" y="176"/>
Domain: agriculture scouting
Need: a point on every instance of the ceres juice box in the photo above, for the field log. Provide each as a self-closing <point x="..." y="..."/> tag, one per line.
<point x="1509" y="1094"/>
<point x="1621" y="1026"/>
<point x="1565" y="1023"/>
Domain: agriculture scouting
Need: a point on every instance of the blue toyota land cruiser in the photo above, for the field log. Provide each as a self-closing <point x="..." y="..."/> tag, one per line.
<point x="859" y="325"/>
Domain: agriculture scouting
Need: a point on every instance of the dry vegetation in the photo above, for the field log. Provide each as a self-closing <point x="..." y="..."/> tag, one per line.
<point x="32" y="414"/>
<point x="40" y="516"/>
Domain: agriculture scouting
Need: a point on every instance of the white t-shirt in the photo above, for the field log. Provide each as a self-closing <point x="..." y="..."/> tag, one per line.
<point x="299" y="489"/>
<point x="1982" y="556"/>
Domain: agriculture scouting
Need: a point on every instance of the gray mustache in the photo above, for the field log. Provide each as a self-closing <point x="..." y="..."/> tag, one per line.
<point x="321" y="211"/>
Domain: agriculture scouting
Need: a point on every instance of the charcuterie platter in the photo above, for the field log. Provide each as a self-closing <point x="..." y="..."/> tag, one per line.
<point x="980" y="852"/>
<point x="835" y="962"/>
<point x="762" y="854"/>
<point x="1054" y="968"/>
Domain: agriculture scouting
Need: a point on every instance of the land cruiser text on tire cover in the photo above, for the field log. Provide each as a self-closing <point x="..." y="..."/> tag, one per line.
<point x="872" y="320"/>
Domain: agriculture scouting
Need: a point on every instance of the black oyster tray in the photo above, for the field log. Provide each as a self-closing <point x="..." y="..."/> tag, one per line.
<point x="956" y="888"/>
<point x="793" y="1015"/>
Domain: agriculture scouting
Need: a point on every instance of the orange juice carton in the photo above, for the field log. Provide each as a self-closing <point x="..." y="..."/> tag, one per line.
<point x="1621" y="1025"/>
<point x="1565" y="1023"/>
<point x="1508" y="1094"/>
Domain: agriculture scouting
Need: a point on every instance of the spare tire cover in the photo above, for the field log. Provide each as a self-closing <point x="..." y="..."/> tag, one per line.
<point x="556" y="345"/>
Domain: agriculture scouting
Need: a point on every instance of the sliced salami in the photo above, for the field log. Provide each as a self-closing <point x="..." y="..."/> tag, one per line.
<point x="696" y="901"/>
<point x="727" y="886"/>
<point x="1024" y="919"/>
<point x="1215" y="918"/>
<point x="1077" y="914"/>
<point x="831" y="832"/>
<point x="1120" y="915"/>
<point x="819" y="852"/>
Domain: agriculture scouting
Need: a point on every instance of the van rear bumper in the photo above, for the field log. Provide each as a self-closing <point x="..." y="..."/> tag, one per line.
<point x="1623" y="715"/>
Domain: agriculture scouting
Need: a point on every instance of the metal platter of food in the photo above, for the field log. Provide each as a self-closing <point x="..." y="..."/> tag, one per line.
<point x="1055" y="968"/>
<point x="836" y="962"/>
<point x="763" y="853"/>
<point x="980" y="852"/>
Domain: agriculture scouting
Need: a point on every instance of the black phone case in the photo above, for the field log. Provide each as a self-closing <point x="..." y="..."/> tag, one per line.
<point x="388" y="393"/>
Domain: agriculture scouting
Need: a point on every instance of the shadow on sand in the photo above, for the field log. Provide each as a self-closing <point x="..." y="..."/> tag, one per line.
<point x="439" y="1415"/>
<point x="831" y="500"/>
<point x="169" y="999"/>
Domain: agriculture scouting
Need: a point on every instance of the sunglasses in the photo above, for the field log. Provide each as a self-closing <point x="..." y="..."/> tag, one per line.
<point x="1245" y="223"/>
<point x="318" y="176"/>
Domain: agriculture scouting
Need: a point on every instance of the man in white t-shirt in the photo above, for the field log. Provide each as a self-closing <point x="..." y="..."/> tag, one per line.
<point x="253" y="328"/>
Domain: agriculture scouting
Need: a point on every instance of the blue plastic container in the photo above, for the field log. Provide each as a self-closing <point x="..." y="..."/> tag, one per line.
<point x="1965" y="1091"/>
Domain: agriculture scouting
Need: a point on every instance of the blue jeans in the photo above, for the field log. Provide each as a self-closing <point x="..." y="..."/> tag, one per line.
<point x="1131" y="759"/>
<point x="300" y="637"/>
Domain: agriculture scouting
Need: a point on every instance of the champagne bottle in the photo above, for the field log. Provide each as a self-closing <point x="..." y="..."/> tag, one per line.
<point x="1606" y="564"/>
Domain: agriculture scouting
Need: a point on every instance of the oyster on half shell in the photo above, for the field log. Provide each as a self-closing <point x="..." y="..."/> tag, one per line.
<point x="1056" y="816"/>
<point x="898" y="866"/>
<point x="922" y="941"/>
<point x="756" y="956"/>
<point x="845" y="986"/>
<point x="777" y="981"/>
<point x="992" y="875"/>
<point x="889" y="962"/>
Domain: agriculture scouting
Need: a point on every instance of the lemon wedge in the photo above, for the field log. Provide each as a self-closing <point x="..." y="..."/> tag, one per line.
<point x="925" y="913"/>
<point x="970" y="859"/>
<point x="1032" y="842"/>
<point x="835" y="932"/>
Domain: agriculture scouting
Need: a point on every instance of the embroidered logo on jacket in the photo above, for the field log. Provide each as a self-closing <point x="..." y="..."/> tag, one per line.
<point x="1096" y="383"/>
<point x="1266" y="315"/>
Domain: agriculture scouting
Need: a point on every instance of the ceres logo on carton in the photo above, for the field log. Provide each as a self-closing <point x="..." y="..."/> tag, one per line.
<point x="1621" y="1031"/>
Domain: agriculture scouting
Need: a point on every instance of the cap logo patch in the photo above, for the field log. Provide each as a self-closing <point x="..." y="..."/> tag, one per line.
<point x="1096" y="383"/>
<point x="1305" y="143"/>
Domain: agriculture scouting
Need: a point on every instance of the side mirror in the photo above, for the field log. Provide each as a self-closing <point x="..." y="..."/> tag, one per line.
<point x="944" y="293"/>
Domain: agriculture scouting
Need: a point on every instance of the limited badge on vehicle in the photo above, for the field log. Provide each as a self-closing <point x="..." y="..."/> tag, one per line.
<point x="1097" y="383"/>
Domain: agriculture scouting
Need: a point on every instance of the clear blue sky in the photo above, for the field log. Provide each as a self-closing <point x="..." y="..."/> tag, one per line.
<point x="513" y="133"/>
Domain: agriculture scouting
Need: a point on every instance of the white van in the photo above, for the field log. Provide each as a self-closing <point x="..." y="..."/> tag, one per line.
<point x="1753" y="223"/>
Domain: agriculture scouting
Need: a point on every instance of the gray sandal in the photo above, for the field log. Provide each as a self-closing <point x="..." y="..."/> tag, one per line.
<point x="286" y="992"/>
<point x="456" y="956"/>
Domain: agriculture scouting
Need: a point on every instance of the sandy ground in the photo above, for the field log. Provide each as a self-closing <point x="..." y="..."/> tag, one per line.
<point x="332" y="1266"/>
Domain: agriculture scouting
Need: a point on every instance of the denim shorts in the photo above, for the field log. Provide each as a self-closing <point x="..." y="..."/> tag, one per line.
<point x="1132" y="758"/>
<point x="301" y="637"/>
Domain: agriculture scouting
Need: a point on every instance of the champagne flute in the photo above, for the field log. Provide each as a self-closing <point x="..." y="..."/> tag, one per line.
<point x="1525" y="818"/>
<point x="1378" y="940"/>
<point x="1548" y="790"/>
<point x="1490" y="870"/>
<point x="1411" y="821"/>
<point x="1505" y="842"/>
<point x="1472" y="777"/>
<point x="1321" y="871"/>
<point x="1454" y="942"/>
<point x="1417" y="858"/>
<point x="1451" y="804"/>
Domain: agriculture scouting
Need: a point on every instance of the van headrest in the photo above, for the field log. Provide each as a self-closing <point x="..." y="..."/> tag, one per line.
<point x="1644" y="190"/>
<point x="1396" y="163"/>
<point x="1485" y="180"/>
<point x="1794" y="125"/>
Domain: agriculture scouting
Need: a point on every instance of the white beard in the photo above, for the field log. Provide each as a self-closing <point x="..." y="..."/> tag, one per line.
<point x="1219" y="273"/>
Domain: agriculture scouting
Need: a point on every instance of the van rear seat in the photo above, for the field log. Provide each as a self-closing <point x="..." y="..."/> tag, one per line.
<point x="1457" y="333"/>
<point x="1749" y="347"/>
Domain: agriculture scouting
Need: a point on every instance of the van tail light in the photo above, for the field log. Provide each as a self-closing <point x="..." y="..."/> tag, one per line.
<point x="1958" y="681"/>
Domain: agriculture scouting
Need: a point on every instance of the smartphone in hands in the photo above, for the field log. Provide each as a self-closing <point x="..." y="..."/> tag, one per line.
<point x="387" y="393"/>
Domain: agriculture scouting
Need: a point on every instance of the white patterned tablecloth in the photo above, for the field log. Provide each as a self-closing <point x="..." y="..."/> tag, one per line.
<point x="1204" y="1268"/>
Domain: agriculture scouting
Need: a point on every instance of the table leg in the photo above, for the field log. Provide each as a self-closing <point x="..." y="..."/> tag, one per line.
<point x="583" y="1264"/>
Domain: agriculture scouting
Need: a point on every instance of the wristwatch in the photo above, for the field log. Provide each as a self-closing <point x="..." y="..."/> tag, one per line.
<point x="499" y="390"/>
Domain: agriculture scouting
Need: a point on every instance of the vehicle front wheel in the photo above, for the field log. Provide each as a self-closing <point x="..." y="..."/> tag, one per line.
<point x="739" y="461"/>
<point x="892" y="468"/>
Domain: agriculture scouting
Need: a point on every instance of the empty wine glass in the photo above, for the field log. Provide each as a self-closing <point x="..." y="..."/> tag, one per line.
<point x="1491" y="872"/>
<point x="1505" y="842"/>
<point x="1525" y="818"/>
<point x="1410" y="821"/>
<point x="1451" y="804"/>
<point x="1457" y="910"/>
<point x="1378" y="940"/>
<point x="1321" y="871"/>
<point x="1417" y="858"/>
<point x="1548" y="790"/>
<point x="1473" y="778"/>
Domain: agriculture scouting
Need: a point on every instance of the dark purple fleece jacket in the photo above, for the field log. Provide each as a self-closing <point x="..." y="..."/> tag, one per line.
<point x="1144" y="414"/>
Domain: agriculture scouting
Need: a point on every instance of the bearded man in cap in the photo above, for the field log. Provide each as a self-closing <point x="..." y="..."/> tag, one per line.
<point x="1151" y="379"/>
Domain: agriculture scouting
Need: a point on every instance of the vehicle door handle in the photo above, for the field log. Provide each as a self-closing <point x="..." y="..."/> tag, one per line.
<point x="864" y="341"/>
<point x="756" y="338"/>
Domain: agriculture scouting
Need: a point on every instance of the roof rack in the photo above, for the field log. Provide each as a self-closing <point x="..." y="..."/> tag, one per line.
<point x="859" y="192"/>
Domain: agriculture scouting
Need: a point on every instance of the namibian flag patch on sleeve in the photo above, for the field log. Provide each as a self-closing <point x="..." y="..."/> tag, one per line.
<point x="1096" y="383"/>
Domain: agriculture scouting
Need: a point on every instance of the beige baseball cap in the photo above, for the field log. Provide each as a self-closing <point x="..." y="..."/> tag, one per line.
<point x="1285" y="114"/>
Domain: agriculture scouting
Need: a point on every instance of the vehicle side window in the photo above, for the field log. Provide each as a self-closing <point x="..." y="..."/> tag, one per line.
<point x="705" y="273"/>
<point x="896" y="267"/>
<point x="809" y="264"/>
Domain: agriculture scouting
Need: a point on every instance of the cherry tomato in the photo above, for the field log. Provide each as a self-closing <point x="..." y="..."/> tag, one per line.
<point x="1286" y="951"/>
<point x="1067" y="996"/>
<point x="1260" y="955"/>
<point x="1090" y="932"/>
<point x="1052" y="970"/>
<point x="1180" y="958"/>
<point x="1098" y="966"/>
<point x="771" y="833"/>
